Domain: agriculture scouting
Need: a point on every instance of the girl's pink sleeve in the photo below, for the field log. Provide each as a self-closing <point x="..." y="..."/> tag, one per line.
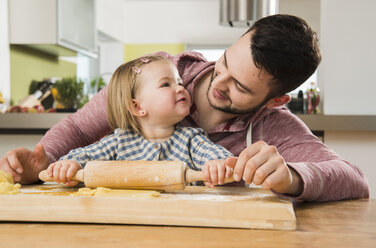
<point x="82" y="128"/>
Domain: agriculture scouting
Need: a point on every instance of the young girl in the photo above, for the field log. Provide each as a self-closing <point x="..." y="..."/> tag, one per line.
<point x="145" y="101"/>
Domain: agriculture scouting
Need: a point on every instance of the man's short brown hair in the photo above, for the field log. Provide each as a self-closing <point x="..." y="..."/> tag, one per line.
<point x="287" y="48"/>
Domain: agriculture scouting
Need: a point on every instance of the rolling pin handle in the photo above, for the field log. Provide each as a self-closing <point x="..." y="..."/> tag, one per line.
<point x="193" y="176"/>
<point x="79" y="176"/>
<point x="44" y="176"/>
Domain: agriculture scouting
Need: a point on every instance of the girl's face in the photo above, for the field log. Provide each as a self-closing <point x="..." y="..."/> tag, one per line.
<point x="161" y="94"/>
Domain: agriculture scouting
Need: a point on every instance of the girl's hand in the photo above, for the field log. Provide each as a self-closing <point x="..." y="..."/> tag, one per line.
<point x="215" y="172"/>
<point x="63" y="171"/>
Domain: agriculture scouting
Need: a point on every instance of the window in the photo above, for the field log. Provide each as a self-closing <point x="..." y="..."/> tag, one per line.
<point x="210" y="52"/>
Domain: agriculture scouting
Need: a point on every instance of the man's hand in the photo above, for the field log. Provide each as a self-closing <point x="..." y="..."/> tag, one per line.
<point x="24" y="165"/>
<point x="261" y="164"/>
<point x="215" y="172"/>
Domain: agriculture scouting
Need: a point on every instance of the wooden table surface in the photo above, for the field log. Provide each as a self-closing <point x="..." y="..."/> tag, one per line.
<point x="332" y="224"/>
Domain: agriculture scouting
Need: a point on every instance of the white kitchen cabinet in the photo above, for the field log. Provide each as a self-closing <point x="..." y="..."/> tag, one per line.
<point x="54" y="25"/>
<point x="111" y="19"/>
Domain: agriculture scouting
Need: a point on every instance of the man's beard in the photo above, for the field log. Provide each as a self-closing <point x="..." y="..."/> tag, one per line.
<point x="230" y="110"/>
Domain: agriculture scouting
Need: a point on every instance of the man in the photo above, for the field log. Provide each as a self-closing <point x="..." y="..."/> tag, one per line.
<point x="245" y="88"/>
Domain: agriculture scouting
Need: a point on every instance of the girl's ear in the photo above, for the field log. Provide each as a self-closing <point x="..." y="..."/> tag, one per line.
<point x="278" y="101"/>
<point x="137" y="109"/>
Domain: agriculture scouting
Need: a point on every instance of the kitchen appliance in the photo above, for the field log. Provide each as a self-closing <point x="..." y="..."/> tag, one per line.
<point x="242" y="13"/>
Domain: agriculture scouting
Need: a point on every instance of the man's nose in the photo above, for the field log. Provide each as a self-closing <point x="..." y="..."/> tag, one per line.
<point x="223" y="78"/>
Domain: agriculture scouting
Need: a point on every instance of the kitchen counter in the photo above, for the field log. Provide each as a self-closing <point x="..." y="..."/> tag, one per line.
<point x="29" y="123"/>
<point x="340" y="122"/>
<point x="30" y="120"/>
<point x="332" y="224"/>
<point x="40" y="123"/>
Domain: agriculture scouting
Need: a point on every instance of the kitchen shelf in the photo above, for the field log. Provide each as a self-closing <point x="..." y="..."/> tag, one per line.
<point x="340" y="122"/>
<point x="30" y="120"/>
<point x="58" y="27"/>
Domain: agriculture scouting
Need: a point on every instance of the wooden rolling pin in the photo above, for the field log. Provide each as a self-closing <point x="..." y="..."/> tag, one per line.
<point x="155" y="175"/>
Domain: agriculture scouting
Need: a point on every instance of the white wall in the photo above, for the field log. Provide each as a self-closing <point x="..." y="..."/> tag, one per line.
<point x="309" y="10"/>
<point x="183" y="21"/>
<point x="346" y="75"/>
<point x="347" y="71"/>
<point x="4" y="51"/>
<point x="195" y="21"/>
<point x="357" y="147"/>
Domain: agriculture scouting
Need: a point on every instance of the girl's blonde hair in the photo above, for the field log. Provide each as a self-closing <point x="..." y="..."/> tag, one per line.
<point x="122" y="90"/>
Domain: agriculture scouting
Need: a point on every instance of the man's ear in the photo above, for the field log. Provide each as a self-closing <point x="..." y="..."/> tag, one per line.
<point x="278" y="101"/>
<point x="137" y="109"/>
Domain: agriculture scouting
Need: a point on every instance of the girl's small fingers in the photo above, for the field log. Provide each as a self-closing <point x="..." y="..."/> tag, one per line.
<point x="209" y="184"/>
<point x="56" y="172"/>
<point x="213" y="174"/>
<point x="63" y="173"/>
<point x="221" y="173"/>
<point x="71" y="183"/>
<point x="50" y="169"/>
<point x="205" y="172"/>
<point x="71" y="172"/>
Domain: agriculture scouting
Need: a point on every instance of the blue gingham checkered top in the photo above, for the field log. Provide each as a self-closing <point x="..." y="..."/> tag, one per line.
<point x="187" y="144"/>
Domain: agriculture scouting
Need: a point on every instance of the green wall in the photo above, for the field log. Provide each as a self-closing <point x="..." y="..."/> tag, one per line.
<point x="27" y="64"/>
<point x="133" y="51"/>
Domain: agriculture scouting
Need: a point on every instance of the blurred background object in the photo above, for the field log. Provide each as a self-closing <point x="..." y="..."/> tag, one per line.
<point x="2" y="103"/>
<point x="243" y="13"/>
<point x="313" y="99"/>
<point x="70" y="94"/>
<point x="296" y="105"/>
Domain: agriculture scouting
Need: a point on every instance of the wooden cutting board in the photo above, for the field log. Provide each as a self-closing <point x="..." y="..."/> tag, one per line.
<point x="231" y="207"/>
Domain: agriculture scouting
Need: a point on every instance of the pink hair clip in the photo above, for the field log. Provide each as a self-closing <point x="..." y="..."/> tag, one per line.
<point x="136" y="69"/>
<point x="145" y="60"/>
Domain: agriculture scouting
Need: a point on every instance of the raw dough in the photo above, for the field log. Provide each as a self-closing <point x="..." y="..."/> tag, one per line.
<point x="100" y="191"/>
<point x="7" y="185"/>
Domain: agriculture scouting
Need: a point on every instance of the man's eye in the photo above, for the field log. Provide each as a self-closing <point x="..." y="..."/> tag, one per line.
<point x="214" y="75"/>
<point x="238" y="86"/>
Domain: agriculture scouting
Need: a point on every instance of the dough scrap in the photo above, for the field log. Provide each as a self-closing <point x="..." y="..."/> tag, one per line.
<point x="101" y="191"/>
<point x="7" y="185"/>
